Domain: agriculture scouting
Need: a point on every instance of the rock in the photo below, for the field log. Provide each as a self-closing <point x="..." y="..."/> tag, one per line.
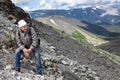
<point x="8" y="67"/>
<point x="14" y="73"/>
<point x="60" y="78"/>
<point x="64" y="62"/>
<point x="18" y="78"/>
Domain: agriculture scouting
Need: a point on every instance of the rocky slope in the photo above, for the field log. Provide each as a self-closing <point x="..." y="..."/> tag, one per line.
<point x="79" y="52"/>
<point x="63" y="58"/>
<point x="70" y="26"/>
<point x="112" y="46"/>
<point x="54" y="65"/>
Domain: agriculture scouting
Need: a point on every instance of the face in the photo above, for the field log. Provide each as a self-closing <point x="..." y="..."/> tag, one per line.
<point x="24" y="28"/>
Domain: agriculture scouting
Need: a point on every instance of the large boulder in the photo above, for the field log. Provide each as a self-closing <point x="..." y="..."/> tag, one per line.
<point x="17" y="13"/>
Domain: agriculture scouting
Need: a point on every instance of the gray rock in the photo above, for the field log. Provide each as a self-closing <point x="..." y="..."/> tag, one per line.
<point x="8" y="67"/>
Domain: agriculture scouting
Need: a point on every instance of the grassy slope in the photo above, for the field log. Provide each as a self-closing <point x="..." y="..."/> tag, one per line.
<point x="87" y="37"/>
<point x="71" y="48"/>
<point x="112" y="28"/>
<point x="73" y="31"/>
<point x="79" y="36"/>
<point x="111" y="56"/>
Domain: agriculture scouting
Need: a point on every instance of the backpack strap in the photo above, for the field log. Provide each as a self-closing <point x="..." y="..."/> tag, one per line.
<point x="18" y="32"/>
<point x="31" y="34"/>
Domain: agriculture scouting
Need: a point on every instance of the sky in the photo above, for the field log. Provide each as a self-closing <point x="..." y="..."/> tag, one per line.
<point x="29" y="5"/>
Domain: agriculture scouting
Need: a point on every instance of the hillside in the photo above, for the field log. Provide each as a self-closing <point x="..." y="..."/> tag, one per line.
<point x="91" y="32"/>
<point x="78" y="51"/>
<point x="112" y="47"/>
<point x="112" y="28"/>
<point x="63" y="58"/>
<point x="103" y="14"/>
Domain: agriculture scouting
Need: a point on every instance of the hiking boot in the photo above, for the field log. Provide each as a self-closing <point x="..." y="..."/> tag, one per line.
<point x="17" y="69"/>
<point x="35" y="71"/>
<point x="41" y="77"/>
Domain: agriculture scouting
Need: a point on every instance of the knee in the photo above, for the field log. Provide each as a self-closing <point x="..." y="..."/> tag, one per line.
<point x="18" y="51"/>
<point x="37" y="55"/>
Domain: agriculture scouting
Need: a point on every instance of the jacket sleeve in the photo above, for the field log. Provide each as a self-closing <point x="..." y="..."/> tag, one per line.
<point x="34" y="39"/>
<point x="19" y="43"/>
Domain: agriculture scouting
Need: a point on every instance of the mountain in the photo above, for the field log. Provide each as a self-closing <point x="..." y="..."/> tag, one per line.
<point x="63" y="58"/>
<point x="114" y="4"/>
<point x="73" y="28"/>
<point x="70" y="26"/>
<point x="95" y="14"/>
<point x="112" y="47"/>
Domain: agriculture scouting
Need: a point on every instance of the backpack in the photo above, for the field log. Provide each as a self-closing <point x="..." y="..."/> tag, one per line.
<point x="37" y="35"/>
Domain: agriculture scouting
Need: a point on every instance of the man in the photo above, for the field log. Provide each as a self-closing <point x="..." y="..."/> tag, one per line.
<point x="27" y="41"/>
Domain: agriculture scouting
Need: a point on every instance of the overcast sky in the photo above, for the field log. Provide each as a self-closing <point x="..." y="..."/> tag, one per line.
<point x="53" y="4"/>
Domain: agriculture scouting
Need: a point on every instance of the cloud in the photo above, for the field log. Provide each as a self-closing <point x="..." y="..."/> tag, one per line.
<point x="69" y="3"/>
<point x="47" y="6"/>
<point x="74" y="2"/>
<point x="20" y="1"/>
<point x="26" y="8"/>
<point x="42" y="2"/>
<point x="56" y="4"/>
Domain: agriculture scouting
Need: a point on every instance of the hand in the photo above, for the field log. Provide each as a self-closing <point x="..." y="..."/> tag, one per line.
<point x="29" y="50"/>
<point x="26" y="55"/>
<point x="26" y="52"/>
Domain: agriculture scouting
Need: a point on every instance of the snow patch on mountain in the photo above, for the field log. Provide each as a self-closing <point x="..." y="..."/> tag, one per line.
<point x="42" y="13"/>
<point x="113" y="20"/>
<point x="51" y="20"/>
<point x="85" y="12"/>
<point x="94" y="8"/>
<point x="93" y="11"/>
<point x="68" y="13"/>
<point x="98" y="21"/>
<point x="108" y="11"/>
<point x="85" y="6"/>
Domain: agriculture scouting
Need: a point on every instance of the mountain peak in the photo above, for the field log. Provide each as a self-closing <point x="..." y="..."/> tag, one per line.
<point x="96" y="15"/>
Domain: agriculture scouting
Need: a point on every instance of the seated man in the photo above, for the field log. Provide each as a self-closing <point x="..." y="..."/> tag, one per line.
<point x="28" y="42"/>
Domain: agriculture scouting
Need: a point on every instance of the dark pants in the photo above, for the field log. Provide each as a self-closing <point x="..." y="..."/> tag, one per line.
<point x="36" y="51"/>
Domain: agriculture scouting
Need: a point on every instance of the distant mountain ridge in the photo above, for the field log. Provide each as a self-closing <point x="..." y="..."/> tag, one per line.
<point x="74" y="28"/>
<point x="95" y="15"/>
<point x="60" y="21"/>
<point x="91" y="32"/>
<point x="112" y="46"/>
